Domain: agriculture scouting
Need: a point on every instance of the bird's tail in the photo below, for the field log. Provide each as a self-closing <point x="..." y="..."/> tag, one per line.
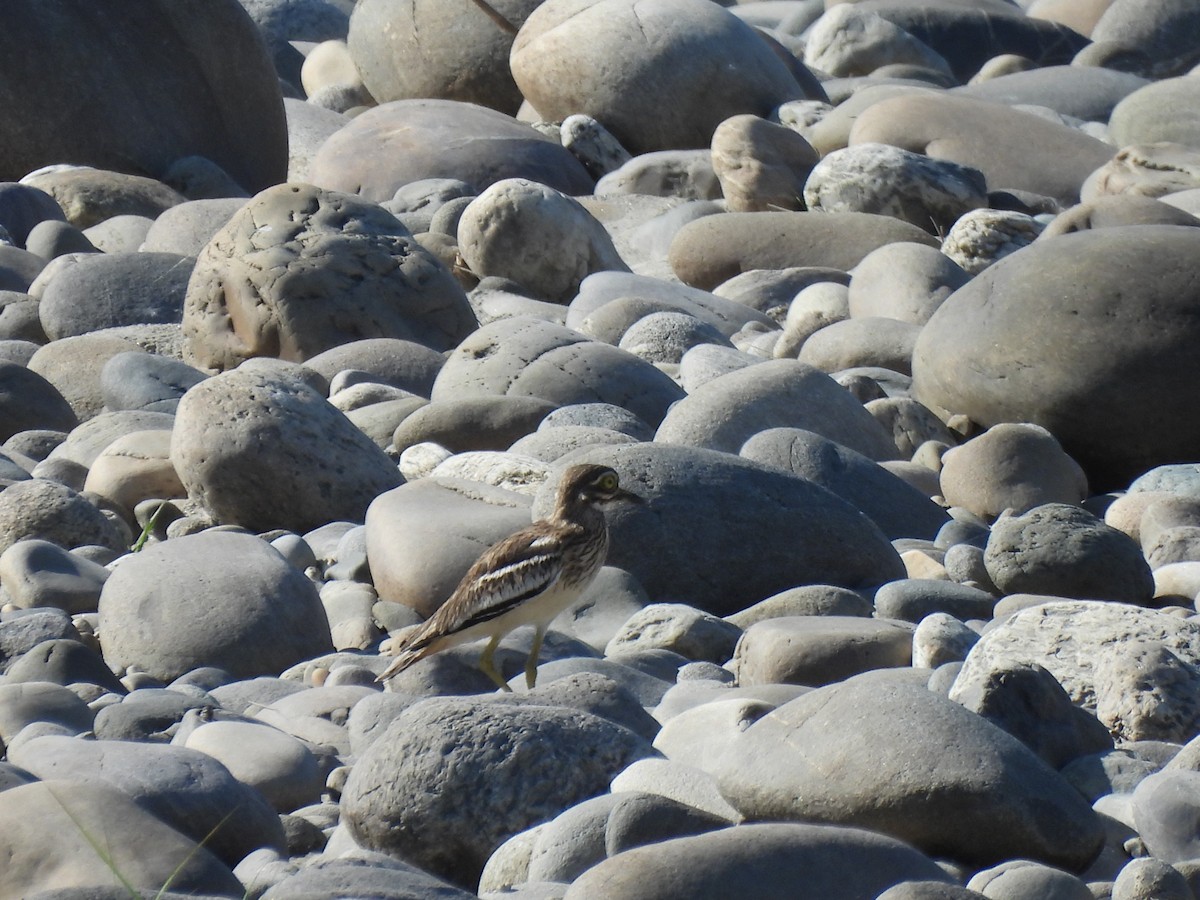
<point x="408" y="648"/>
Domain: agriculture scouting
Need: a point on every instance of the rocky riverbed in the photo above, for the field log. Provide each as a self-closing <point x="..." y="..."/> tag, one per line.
<point x="886" y="310"/>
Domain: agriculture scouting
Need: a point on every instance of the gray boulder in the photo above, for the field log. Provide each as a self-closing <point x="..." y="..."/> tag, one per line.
<point x="105" y="290"/>
<point x="29" y="401"/>
<point x="1027" y="702"/>
<point x="761" y="165"/>
<point x="351" y="876"/>
<point x="23" y="208"/>
<point x="1160" y="30"/>
<point x="1152" y="114"/>
<point x="801" y="533"/>
<point x="728" y="411"/>
<point x="903" y="281"/>
<point x="471" y="423"/>
<point x="849" y="863"/>
<point x="452" y="51"/>
<point x="41" y="702"/>
<point x="173" y="608"/>
<point x="173" y="89"/>
<point x="46" y="510"/>
<point x="187" y="227"/>
<point x="609" y="303"/>
<point x="635" y="68"/>
<point x="1081" y="92"/>
<point x="187" y="789"/>
<point x="967" y="37"/>
<point x="314" y="269"/>
<point x="265" y="453"/>
<point x="527" y="357"/>
<point x="898" y="759"/>
<point x="38" y="573"/>
<point x="47" y="830"/>
<point x="819" y="650"/>
<point x="404" y="364"/>
<point x="440" y="790"/>
<point x="134" y="380"/>
<point x="403" y="141"/>
<point x="423" y="536"/>
<point x="912" y="599"/>
<point x="1065" y="551"/>
<point x="1081" y="284"/>
<point x="1014" y="149"/>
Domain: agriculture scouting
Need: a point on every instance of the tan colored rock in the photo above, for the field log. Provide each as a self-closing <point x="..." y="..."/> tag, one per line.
<point x="761" y="165"/>
<point x="136" y="467"/>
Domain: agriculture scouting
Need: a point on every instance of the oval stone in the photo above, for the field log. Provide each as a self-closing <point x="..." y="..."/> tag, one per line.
<point x="1090" y="335"/>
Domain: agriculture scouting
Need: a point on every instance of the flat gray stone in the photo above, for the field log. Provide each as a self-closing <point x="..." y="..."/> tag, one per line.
<point x="46" y="845"/>
<point x="819" y="650"/>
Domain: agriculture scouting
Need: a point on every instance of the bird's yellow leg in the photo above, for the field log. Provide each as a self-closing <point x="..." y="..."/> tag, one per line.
<point x="531" y="663"/>
<point x="488" y="667"/>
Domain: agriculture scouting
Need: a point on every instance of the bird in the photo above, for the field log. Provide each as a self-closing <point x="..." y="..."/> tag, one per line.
<point x="527" y="578"/>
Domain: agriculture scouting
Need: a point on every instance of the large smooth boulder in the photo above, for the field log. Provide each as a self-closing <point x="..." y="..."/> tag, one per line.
<point x="299" y="270"/>
<point x="726" y="412"/>
<point x="658" y="74"/>
<point x="49" y="831"/>
<point x="898" y="508"/>
<point x="107" y="290"/>
<point x="1090" y="335"/>
<point x="968" y="35"/>
<point x="449" y="49"/>
<point x="894" y="757"/>
<point x="266" y="453"/>
<point x="1011" y="147"/>
<point x="392" y="145"/>
<point x="1083" y="92"/>
<point x="451" y="779"/>
<point x="711" y="250"/>
<point x="776" y="858"/>
<point x="180" y="78"/>
<point x="211" y="599"/>
<point x="801" y="533"/>
<point x="187" y="789"/>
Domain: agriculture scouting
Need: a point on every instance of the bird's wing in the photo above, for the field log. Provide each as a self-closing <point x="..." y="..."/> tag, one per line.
<point x="517" y="569"/>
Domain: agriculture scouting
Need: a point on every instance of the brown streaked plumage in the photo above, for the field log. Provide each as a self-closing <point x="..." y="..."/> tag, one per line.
<point x="526" y="579"/>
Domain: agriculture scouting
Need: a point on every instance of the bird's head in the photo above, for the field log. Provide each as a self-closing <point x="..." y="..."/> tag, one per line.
<point x="592" y="485"/>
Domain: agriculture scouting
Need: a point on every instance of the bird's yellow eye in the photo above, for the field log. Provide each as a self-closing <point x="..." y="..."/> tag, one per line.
<point x="608" y="482"/>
